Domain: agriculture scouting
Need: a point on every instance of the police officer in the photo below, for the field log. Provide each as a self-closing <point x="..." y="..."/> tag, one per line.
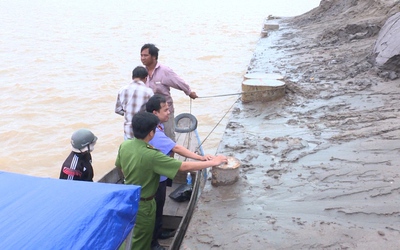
<point x="142" y="165"/>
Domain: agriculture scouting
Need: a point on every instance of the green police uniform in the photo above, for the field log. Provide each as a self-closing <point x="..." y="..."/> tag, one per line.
<point x="142" y="165"/>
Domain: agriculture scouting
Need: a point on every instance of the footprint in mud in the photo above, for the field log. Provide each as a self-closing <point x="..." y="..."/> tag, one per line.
<point x="205" y="238"/>
<point x="234" y="125"/>
<point x="275" y="173"/>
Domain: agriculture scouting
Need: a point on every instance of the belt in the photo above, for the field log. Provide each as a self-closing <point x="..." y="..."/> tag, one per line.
<point x="148" y="198"/>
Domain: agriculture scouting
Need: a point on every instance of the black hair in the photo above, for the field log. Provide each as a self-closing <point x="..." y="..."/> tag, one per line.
<point x="154" y="103"/>
<point x="153" y="50"/>
<point x="143" y="123"/>
<point x="139" y="72"/>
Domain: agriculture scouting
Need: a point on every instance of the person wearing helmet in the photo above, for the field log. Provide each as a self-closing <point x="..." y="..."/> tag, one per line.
<point x="78" y="165"/>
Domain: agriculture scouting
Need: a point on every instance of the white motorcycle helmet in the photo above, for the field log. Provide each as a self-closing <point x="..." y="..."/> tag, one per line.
<point x="83" y="140"/>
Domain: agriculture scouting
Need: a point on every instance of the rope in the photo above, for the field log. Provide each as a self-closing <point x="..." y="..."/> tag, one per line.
<point x="217" y="123"/>
<point x="241" y="93"/>
<point x="211" y="96"/>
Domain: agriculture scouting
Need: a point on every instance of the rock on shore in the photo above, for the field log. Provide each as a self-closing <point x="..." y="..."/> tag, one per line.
<point x="319" y="167"/>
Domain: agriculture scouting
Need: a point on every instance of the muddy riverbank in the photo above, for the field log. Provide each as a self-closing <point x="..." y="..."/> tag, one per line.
<point x="320" y="167"/>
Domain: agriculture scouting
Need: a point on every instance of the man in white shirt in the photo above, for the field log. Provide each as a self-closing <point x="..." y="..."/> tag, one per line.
<point x="132" y="98"/>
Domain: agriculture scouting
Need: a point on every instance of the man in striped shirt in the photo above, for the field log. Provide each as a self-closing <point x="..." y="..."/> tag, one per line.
<point x="132" y="98"/>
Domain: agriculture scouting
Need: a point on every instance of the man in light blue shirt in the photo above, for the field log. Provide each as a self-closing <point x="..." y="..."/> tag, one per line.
<point x="158" y="105"/>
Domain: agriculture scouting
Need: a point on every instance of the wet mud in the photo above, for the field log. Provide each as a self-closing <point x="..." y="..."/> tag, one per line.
<point x="319" y="167"/>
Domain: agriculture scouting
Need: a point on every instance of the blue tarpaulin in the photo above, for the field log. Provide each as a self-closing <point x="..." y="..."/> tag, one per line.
<point x="45" y="213"/>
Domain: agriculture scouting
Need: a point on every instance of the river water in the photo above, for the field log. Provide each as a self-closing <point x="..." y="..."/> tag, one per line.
<point x="62" y="63"/>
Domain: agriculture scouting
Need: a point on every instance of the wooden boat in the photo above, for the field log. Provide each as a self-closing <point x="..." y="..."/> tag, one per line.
<point x="177" y="215"/>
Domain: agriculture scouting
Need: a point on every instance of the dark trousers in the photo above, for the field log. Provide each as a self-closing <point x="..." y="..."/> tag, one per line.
<point x="160" y="201"/>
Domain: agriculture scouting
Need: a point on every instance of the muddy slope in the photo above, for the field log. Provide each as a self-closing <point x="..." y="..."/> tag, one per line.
<point x="320" y="167"/>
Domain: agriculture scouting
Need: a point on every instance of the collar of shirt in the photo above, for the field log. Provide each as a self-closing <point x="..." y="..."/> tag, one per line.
<point x="139" y="142"/>
<point x="139" y="83"/>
